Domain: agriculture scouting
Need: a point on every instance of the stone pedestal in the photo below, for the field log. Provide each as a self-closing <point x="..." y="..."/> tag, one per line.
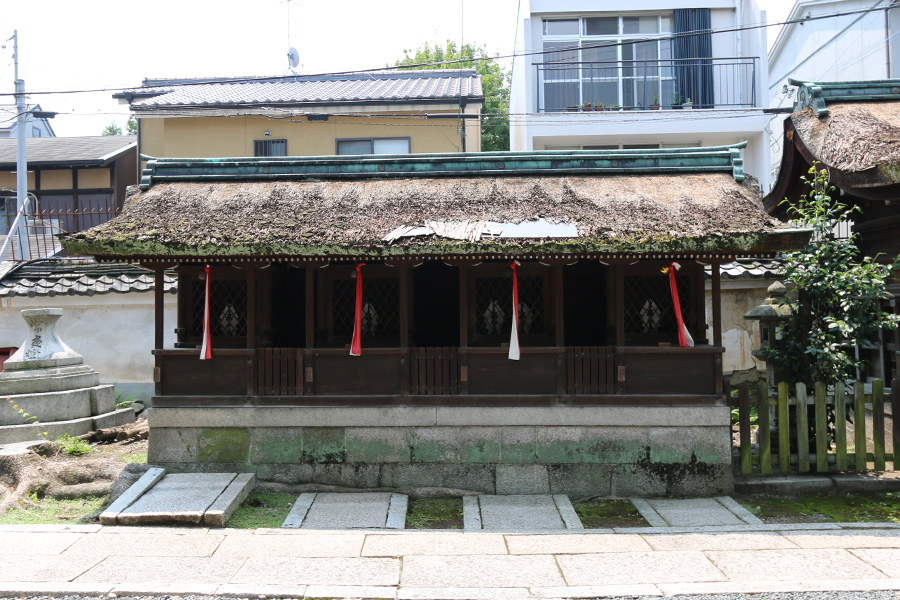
<point x="46" y="387"/>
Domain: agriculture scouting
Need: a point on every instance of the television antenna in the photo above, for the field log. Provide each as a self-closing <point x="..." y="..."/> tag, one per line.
<point x="293" y="58"/>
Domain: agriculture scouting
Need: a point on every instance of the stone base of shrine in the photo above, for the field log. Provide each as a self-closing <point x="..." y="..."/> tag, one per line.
<point x="582" y="451"/>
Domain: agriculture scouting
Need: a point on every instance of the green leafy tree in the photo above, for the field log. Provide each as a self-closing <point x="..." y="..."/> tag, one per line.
<point x="131" y="125"/>
<point x="494" y="83"/>
<point x="112" y="129"/>
<point x="838" y="293"/>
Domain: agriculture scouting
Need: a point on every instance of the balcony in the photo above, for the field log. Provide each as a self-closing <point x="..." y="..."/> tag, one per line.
<point x="571" y="86"/>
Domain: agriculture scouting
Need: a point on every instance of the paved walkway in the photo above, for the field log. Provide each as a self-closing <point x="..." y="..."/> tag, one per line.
<point x="95" y="559"/>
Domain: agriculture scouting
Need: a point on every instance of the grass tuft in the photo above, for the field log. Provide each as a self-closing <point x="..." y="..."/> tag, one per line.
<point x="604" y="514"/>
<point x="263" y="509"/>
<point x="52" y="511"/>
<point x="435" y="513"/>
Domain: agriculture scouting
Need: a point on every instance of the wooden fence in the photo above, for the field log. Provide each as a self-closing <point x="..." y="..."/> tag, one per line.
<point x="819" y="437"/>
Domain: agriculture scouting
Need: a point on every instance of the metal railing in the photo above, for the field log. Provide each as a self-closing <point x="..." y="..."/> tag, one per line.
<point x="572" y="86"/>
<point x="47" y="218"/>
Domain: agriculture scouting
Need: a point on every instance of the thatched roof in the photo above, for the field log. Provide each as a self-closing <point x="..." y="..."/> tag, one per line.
<point x="853" y="136"/>
<point x="613" y="213"/>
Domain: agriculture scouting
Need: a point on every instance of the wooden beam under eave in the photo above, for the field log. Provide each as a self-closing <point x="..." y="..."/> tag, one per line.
<point x="716" y="271"/>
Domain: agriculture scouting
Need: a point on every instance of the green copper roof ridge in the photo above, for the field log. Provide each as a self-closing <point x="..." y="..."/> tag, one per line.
<point x="815" y="94"/>
<point x="669" y="160"/>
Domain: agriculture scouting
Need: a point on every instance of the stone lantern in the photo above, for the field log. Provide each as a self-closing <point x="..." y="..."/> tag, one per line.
<point x="769" y="314"/>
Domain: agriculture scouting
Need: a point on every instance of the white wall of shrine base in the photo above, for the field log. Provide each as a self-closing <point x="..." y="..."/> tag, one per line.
<point x="610" y="451"/>
<point x="113" y="332"/>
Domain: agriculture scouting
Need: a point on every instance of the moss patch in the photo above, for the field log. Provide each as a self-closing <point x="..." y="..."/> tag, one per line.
<point x="225" y="445"/>
<point x="841" y="508"/>
<point x="262" y="510"/>
<point x="435" y="513"/>
<point x="51" y="511"/>
<point x="604" y="514"/>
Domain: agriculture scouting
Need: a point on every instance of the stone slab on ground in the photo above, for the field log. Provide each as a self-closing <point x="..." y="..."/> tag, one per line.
<point x="694" y="512"/>
<point x="522" y="513"/>
<point x="198" y="498"/>
<point x="365" y="510"/>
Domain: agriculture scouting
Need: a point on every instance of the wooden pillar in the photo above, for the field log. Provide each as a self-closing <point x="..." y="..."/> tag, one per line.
<point x="716" y="303"/>
<point x="698" y="326"/>
<point x="310" y="329"/>
<point x="159" y="292"/>
<point x="620" y="304"/>
<point x="251" y="307"/>
<point x="463" y="356"/>
<point x="405" y="272"/>
<point x="556" y="295"/>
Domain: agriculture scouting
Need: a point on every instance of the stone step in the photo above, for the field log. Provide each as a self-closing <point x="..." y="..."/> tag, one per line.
<point x="48" y="380"/>
<point x="364" y="510"/>
<point x="537" y="512"/>
<point x="57" y="406"/>
<point x="158" y="498"/>
<point x="694" y="512"/>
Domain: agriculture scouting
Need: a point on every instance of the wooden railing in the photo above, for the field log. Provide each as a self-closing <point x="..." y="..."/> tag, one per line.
<point x="813" y="429"/>
<point x="433" y="371"/>
<point x="279" y="371"/>
<point x="589" y="370"/>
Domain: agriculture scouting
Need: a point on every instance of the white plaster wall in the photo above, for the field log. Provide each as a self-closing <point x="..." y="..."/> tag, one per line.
<point x="739" y="336"/>
<point x="114" y="332"/>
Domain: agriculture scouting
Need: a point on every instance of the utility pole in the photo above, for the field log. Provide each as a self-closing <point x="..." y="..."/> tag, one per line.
<point x="21" y="162"/>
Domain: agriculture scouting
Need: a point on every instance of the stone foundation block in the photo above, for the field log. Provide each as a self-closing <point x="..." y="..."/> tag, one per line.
<point x="479" y="478"/>
<point x="287" y="474"/>
<point x="324" y="445"/>
<point x="46" y="407"/>
<point x="522" y="479"/>
<point x="173" y="445"/>
<point x="518" y="445"/>
<point x="378" y="444"/>
<point x="276" y="445"/>
<point x="103" y="399"/>
<point x="402" y="476"/>
<point x="227" y="444"/>
<point x="355" y="475"/>
<point x="580" y="481"/>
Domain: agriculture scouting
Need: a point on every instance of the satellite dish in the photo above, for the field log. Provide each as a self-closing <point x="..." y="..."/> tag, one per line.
<point x="293" y="58"/>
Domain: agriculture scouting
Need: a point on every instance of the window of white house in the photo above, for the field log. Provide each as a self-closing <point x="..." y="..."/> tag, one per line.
<point x="35" y="132"/>
<point x="269" y="147"/>
<point x="607" y="62"/>
<point x="373" y="146"/>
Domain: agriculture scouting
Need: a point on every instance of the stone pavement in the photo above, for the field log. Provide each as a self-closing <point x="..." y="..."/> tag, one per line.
<point x="647" y="561"/>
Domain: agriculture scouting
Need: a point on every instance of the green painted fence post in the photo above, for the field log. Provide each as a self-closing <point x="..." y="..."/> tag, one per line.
<point x="821" y="430"/>
<point x="784" y="430"/>
<point x="840" y="426"/>
<point x="802" y="430"/>
<point x="744" y="423"/>
<point x="878" y="423"/>
<point x="895" y="421"/>
<point x="764" y="433"/>
<point x="859" y="425"/>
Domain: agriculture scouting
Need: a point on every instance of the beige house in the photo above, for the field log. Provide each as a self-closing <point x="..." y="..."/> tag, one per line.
<point x="386" y="112"/>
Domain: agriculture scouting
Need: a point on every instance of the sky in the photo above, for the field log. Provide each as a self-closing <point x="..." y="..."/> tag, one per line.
<point x="104" y="45"/>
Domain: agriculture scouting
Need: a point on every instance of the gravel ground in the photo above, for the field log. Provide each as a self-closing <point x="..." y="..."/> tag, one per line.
<point x="871" y="595"/>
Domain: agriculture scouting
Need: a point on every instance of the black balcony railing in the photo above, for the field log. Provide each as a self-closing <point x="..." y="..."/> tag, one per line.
<point x="646" y="84"/>
<point x="47" y="218"/>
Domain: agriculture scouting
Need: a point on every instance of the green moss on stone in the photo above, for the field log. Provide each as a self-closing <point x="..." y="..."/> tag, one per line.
<point x="224" y="445"/>
<point x="324" y="445"/>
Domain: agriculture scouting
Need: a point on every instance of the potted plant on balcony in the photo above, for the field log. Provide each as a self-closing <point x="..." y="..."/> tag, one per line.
<point x="687" y="104"/>
<point x="676" y="101"/>
<point x="655" y="104"/>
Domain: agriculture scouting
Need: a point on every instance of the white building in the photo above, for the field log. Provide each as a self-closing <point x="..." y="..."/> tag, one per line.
<point x="591" y="75"/>
<point x="34" y="126"/>
<point x="861" y="43"/>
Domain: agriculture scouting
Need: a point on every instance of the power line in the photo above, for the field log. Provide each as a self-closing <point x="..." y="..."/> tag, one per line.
<point x="426" y="65"/>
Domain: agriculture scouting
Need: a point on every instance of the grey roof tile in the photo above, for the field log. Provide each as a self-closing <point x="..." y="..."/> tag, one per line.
<point x="81" y="150"/>
<point x="744" y="268"/>
<point x="78" y="276"/>
<point x="381" y="86"/>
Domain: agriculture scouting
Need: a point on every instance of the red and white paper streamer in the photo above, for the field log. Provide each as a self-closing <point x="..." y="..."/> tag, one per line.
<point x="206" y="348"/>
<point x="514" y="334"/>
<point x="356" y="344"/>
<point x="684" y="337"/>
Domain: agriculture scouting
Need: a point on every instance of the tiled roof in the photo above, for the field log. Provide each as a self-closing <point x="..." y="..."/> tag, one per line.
<point x="745" y="268"/>
<point x="78" y="277"/>
<point x="87" y="150"/>
<point x="375" y="87"/>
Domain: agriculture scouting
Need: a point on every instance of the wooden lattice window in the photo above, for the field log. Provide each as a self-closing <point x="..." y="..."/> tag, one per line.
<point x="491" y="304"/>
<point x="228" y="307"/>
<point x="380" y="309"/>
<point x="649" y="310"/>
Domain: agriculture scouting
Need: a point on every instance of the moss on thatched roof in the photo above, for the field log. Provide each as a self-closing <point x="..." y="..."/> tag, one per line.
<point x="635" y="213"/>
<point x="853" y="136"/>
